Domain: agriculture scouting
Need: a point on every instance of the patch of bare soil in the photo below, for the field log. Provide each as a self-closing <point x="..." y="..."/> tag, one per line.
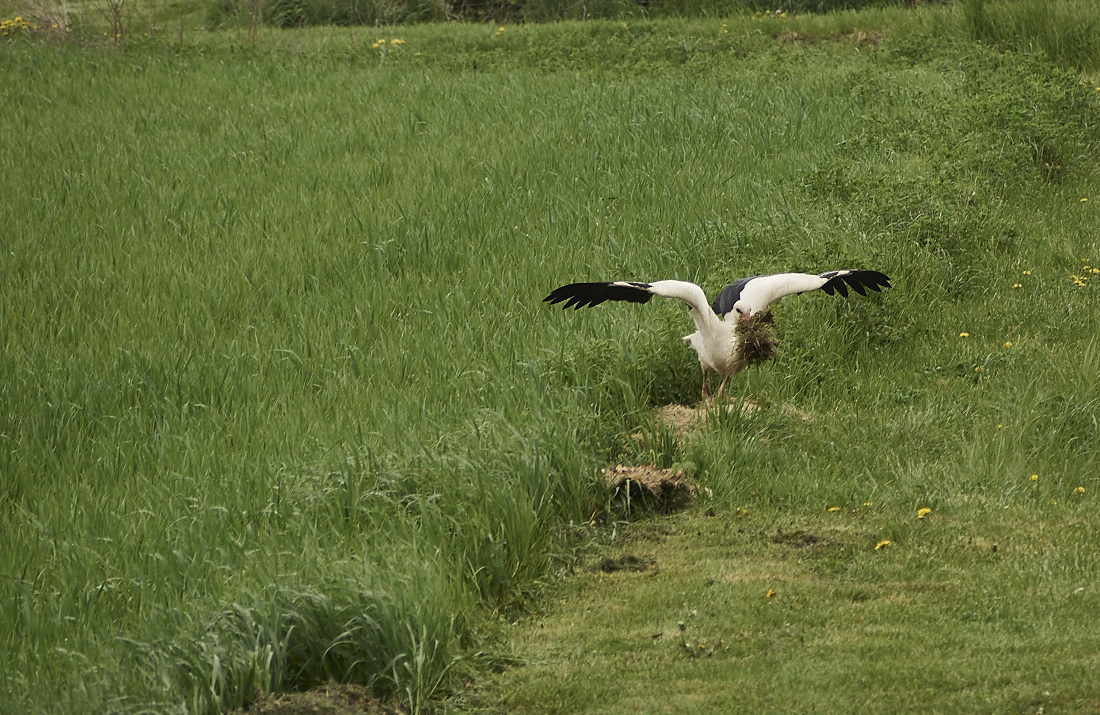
<point x="661" y="489"/>
<point x="331" y="699"/>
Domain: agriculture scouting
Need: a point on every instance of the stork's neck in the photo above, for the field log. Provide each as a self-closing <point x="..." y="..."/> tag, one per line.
<point x="707" y="323"/>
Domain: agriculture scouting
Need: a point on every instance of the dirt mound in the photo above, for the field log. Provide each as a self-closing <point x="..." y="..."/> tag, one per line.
<point x="682" y="419"/>
<point x="331" y="699"/>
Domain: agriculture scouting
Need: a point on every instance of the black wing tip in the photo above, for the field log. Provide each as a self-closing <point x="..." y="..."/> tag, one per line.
<point x="585" y="295"/>
<point x="858" y="280"/>
<point x="574" y="295"/>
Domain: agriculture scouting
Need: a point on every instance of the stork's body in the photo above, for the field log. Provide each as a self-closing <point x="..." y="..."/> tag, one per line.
<point x="715" y="337"/>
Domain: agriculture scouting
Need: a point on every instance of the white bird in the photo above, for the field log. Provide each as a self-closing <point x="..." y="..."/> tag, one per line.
<point x="715" y="338"/>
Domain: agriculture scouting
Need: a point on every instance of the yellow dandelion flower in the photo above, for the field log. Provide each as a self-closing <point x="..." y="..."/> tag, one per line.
<point x="397" y="42"/>
<point x="964" y="335"/>
<point x="882" y="544"/>
<point x="1027" y="273"/>
<point x="1017" y="285"/>
<point x="1034" y="477"/>
<point x="834" y="508"/>
<point x="921" y="513"/>
<point x="1008" y="343"/>
<point x="1084" y="200"/>
<point x="1080" y="490"/>
<point x="771" y="592"/>
<point x="998" y="426"/>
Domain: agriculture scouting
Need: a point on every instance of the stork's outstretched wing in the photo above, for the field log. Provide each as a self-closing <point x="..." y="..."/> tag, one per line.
<point x="582" y="295"/>
<point x="757" y="293"/>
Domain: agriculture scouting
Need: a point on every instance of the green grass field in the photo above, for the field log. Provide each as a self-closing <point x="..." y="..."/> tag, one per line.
<point x="280" y="402"/>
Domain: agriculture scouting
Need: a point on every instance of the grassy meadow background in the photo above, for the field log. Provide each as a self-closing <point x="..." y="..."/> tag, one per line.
<point x="280" y="402"/>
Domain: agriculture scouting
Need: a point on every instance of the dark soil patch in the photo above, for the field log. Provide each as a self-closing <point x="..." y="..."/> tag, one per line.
<point x="797" y="538"/>
<point x="625" y="563"/>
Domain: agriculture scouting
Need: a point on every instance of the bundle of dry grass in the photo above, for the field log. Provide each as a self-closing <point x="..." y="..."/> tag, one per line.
<point x="755" y="341"/>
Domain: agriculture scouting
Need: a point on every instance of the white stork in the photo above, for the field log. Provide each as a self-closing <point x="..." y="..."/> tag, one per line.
<point x="715" y="338"/>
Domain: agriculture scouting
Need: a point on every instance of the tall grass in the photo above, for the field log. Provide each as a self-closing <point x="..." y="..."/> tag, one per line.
<point x="1068" y="32"/>
<point x="280" y="401"/>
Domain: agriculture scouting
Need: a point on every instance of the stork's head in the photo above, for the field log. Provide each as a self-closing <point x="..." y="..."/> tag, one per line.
<point x="743" y="310"/>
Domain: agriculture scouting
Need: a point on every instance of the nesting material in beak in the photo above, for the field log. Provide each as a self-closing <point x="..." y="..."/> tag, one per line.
<point x="755" y="342"/>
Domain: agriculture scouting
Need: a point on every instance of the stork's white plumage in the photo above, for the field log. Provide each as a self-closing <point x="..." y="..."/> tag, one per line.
<point x="715" y="337"/>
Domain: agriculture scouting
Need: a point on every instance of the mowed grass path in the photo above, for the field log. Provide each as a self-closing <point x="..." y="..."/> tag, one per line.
<point x="978" y="610"/>
<point x="281" y="402"/>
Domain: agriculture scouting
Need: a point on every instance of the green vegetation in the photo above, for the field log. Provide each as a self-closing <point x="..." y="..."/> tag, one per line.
<point x="279" y="401"/>
<point x="784" y="613"/>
